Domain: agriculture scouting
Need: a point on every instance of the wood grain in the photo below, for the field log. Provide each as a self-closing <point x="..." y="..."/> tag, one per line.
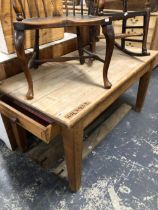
<point x="61" y="83"/>
<point x="68" y="88"/>
<point x="138" y="21"/>
<point x="7" y="16"/>
<point x="46" y="133"/>
<point x="132" y="4"/>
<point x="73" y="146"/>
<point x="51" y="51"/>
<point x="142" y="90"/>
<point x="94" y="139"/>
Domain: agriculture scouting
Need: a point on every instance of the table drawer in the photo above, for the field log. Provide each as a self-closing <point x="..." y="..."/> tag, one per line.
<point x="41" y="128"/>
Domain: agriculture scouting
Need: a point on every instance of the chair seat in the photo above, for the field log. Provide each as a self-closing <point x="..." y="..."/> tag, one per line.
<point x="63" y="21"/>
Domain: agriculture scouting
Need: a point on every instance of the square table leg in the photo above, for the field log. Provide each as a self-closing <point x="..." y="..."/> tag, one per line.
<point x="73" y="145"/>
<point x="142" y="90"/>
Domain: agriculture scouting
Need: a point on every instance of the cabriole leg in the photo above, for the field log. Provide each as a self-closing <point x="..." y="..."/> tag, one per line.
<point x="35" y="56"/>
<point x="108" y="32"/>
<point x="19" y="46"/>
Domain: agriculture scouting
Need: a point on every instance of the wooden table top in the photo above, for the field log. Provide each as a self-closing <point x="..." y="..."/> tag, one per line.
<point x="68" y="91"/>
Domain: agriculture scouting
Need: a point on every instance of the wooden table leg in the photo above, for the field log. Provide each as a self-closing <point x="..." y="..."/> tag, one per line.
<point x="19" y="47"/>
<point x="20" y="136"/>
<point x="109" y="34"/>
<point x="73" y="143"/>
<point x="142" y="90"/>
<point x="80" y="44"/>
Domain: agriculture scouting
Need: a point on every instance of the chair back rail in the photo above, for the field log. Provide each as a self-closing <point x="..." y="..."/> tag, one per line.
<point x="74" y="7"/>
<point x="35" y="8"/>
<point x="40" y="8"/>
<point x="134" y="5"/>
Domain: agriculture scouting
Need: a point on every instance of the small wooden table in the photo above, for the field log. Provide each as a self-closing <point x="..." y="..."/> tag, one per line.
<point x="72" y="95"/>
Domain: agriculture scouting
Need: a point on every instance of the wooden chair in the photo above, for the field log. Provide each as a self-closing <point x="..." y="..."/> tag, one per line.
<point x="56" y="20"/>
<point x="133" y="5"/>
<point x="143" y="8"/>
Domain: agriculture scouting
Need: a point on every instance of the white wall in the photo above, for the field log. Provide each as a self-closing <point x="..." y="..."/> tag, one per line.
<point x="3" y="134"/>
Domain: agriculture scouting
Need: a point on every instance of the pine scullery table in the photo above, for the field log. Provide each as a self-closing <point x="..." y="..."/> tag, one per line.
<point x="68" y="97"/>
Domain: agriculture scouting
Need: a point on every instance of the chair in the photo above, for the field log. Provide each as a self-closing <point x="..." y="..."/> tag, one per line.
<point x="124" y="36"/>
<point x="133" y="5"/>
<point x="57" y="20"/>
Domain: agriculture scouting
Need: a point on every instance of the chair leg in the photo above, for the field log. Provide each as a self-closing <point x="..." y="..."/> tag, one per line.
<point x="108" y="32"/>
<point x="92" y="42"/>
<point x="92" y="38"/>
<point x="145" y="30"/>
<point x="19" y="46"/>
<point x="80" y="43"/>
<point x="36" y="52"/>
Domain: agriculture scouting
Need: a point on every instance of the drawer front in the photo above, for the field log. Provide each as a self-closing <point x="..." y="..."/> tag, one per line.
<point x="43" y="132"/>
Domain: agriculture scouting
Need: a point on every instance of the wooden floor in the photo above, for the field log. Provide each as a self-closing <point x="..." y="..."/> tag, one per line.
<point x="62" y="89"/>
